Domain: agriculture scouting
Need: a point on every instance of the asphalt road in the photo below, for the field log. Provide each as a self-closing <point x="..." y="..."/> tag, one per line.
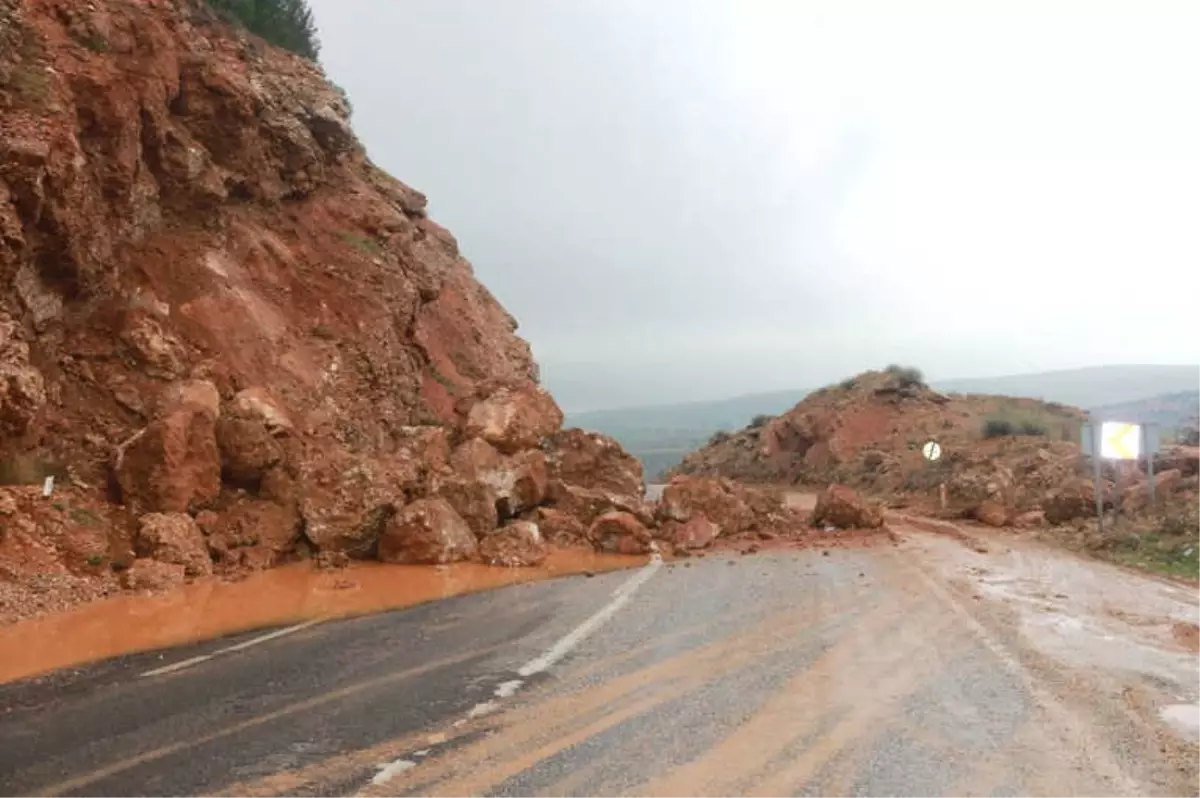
<point x="926" y="669"/>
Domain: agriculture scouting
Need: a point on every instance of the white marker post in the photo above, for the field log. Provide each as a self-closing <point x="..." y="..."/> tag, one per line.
<point x="931" y="451"/>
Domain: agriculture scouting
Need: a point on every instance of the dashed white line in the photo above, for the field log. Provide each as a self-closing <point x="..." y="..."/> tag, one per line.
<point x="620" y="597"/>
<point x="178" y="666"/>
<point x="254" y="641"/>
<point x="505" y="689"/>
<point x="391" y="770"/>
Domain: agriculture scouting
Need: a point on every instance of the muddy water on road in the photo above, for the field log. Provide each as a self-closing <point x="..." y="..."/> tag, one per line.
<point x="212" y="608"/>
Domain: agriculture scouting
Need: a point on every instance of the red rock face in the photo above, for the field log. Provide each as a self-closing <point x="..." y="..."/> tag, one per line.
<point x="22" y="389"/>
<point x="234" y="316"/>
<point x="427" y="532"/>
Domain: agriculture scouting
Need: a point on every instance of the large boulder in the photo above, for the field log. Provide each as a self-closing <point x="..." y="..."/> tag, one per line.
<point x="427" y="532"/>
<point x="519" y="482"/>
<point x="251" y="533"/>
<point x="473" y="500"/>
<point x="695" y="533"/>
<point x="619" y="533"/>
<point x="513" y="418"/>
<point x="592" y="460"/>
<point x="1137" y="496"/>
<point x="248" y="450"/>
<point x="516" y="544"/>
<point x="559" y="527"/>
<point x="991" y="513"/>
<point x="258" y="404"/>
<point x="345" y="501"/>
<point x="842" y="507"/>
<point x="587" y="504"/>
<point x="173" y="538"/>
<point x="148" y="574"/>
<point x="1076" y="499"/>
<point x="1185" y="459"/>
<point x="173" y="465"/>
<point x="719" y="500"/>
<point x="475" y="457"/>
<point x="523" y="484"/>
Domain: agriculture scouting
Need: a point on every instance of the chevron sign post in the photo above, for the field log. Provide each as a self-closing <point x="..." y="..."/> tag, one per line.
<point x="1119" y="440"/>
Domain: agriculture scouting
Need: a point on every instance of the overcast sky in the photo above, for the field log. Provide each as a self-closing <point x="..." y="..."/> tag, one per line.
<point x="690" y="199"/>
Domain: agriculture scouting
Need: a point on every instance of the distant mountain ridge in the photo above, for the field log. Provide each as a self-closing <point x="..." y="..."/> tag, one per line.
<point x="662" y="434"/>
<point x="1088" y="388"/>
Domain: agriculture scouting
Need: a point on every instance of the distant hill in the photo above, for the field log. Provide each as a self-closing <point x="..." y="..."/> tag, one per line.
<point x="1088" y="387"/>
<point x="662" y="434"/>
<point x="1170" y="411"/>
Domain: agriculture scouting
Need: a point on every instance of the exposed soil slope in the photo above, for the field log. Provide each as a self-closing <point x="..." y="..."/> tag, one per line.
<point x="869" y="432"/>
<point x="233" y="341"/>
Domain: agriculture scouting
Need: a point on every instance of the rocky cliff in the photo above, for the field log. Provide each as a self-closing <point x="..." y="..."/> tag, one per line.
<point x="233" y="341"/>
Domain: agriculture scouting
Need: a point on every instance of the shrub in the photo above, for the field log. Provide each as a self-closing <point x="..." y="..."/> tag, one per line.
<point x="761" y="420"/>
<point x="1000" y="426"/>
<point x="1030" y="427"/>
<point x="719" y="437"/>
<point x="283" y="23"/>
<point x="905" y="376"/>
<point x="848" y="384"/>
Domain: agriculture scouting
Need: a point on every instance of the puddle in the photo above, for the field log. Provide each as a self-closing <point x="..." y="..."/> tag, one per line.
<point x="1085" y="613"/>
<point x="211" y="608"/>
<point x="1183" y="717"/>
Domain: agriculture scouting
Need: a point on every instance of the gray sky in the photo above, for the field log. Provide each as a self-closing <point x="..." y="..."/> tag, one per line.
<point x="688" y="199"/>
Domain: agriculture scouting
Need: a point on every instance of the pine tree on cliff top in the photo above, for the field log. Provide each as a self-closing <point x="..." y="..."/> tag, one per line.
<point x="284" y="23"/>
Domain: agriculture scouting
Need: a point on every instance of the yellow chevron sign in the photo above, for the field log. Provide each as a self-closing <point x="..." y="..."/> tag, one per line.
<point x="1119" y="441"/>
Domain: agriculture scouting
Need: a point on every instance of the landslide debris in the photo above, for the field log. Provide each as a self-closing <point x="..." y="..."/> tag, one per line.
<point x="235" y="342"/>
<point x="1004" y="461"/>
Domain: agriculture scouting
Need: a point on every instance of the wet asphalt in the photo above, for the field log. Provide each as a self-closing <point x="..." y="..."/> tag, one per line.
<point x="803" y="673"/>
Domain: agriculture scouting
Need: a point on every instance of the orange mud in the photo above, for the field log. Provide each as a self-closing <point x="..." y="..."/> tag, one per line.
<point x="211" y="608"/>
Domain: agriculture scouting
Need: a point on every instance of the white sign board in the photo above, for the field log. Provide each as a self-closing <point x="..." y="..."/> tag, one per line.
<point x="932" y="450"/>
<point x="1120" y="440"/>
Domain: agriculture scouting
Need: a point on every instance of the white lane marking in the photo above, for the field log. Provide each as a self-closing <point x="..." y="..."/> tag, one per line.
<point x="254" y="641"/>
<point x="178" y="666"/>
<point x="580" y="633"/>
<point x="479" y="710"/>
<point x="287" y="630"/>
<point x="392" y="769"/>
<point x="620" y="597"/>
<point x="505" y="689"/>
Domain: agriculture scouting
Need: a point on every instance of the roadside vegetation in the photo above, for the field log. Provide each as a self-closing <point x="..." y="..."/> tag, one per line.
<point x="284" y="23"/>
<point x="905" y="376"/>
<point x="1168" y="543"/>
